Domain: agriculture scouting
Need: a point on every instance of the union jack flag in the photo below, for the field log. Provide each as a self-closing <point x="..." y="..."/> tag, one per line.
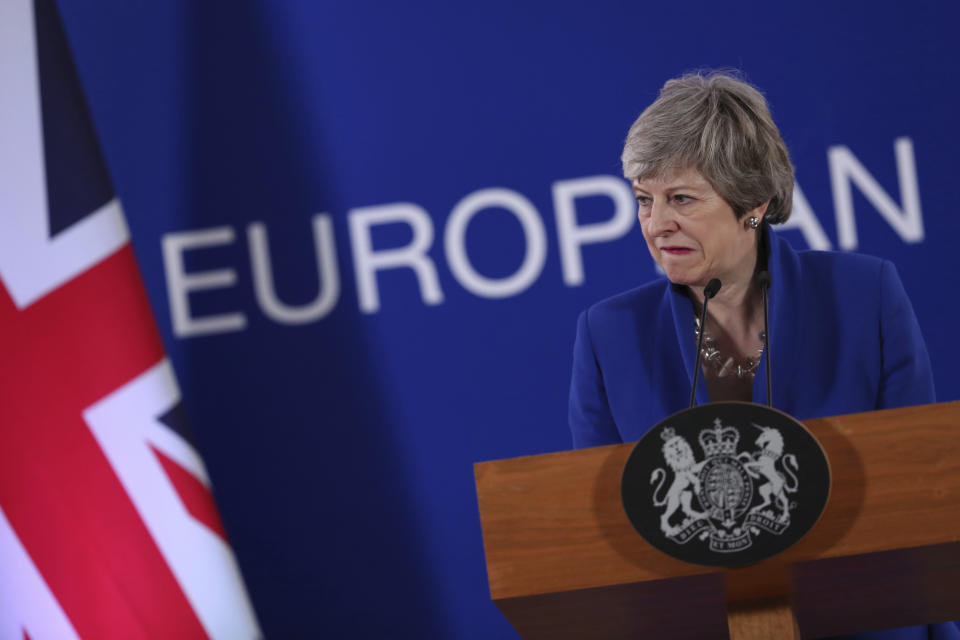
<point x="108" y="527"/>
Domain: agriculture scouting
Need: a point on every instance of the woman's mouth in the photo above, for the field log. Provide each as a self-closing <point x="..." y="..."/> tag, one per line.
<point x="676" y="251"/>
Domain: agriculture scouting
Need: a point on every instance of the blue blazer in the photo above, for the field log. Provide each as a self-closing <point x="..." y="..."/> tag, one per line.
<point x="843" y="338"/>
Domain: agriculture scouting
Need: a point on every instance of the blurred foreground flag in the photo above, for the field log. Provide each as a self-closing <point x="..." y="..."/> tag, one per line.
<point x="108" y="528"/>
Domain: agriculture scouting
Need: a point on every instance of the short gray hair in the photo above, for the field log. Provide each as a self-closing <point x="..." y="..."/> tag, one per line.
<point x="721" y="126"/>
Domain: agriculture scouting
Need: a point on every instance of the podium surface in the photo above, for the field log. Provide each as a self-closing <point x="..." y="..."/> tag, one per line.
<point x="563" y="560"/>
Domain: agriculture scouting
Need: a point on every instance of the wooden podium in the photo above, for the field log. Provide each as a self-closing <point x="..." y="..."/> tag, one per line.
<point x="564" y="562"/>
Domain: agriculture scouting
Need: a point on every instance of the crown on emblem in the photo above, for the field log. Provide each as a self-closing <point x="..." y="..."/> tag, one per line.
<point x="720" y="440"/>
<point x="668" y="434"/>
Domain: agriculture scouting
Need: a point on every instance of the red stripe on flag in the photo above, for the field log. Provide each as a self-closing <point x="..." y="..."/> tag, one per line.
<point x="59" y="356"/>
<point x="195" y="496"/>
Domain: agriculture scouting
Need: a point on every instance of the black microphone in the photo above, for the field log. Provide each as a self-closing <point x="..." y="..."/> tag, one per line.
<point x="708" y="292"/>
<point x="763" y="278"/>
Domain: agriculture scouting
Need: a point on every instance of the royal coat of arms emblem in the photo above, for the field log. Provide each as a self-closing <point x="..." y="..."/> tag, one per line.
<point x="723" y="484"/>
<point x="734" y="499"/>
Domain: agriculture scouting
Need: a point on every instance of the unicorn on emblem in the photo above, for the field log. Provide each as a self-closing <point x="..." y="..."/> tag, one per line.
<point x="764" y="463"/>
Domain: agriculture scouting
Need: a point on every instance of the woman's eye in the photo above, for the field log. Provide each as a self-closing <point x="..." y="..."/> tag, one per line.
<point x="643" y="201"/>
<point x="681" y="199"/>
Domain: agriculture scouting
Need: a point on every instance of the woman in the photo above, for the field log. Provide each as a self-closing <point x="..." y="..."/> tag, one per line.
<point x="711" y="173"/>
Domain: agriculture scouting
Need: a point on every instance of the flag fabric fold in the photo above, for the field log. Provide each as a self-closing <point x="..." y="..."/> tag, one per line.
<point x="108" y="526"/>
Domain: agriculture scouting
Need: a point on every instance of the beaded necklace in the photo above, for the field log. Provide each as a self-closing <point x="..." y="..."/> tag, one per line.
<point x="712" y="357"/>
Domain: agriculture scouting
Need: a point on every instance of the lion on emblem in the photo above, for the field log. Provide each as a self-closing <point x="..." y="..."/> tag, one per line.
<point x="679" y="457"/>
<point x="763" y="463"/>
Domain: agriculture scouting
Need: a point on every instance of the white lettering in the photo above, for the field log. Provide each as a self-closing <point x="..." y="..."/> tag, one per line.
<point x="367" y="262"/>
<point x="572" y="236"/>
<point x="454" y="242"/>
<point x="329" y="276"/>
<point x="180" y="283"/>
<point x="845" y="168"/>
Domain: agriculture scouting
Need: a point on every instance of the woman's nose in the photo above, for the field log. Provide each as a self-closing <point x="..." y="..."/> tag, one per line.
<point x="662" y="219"/>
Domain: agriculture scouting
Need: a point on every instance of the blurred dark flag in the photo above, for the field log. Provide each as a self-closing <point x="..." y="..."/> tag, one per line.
<point x="108" y="526"/>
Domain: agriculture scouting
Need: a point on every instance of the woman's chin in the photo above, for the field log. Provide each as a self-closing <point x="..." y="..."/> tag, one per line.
<point x="687" y="279"/>
<point x="679" y="276"/>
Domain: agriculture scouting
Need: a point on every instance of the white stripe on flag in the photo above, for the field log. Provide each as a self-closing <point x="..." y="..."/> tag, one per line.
<point x="31" y="263"/>
<point x="26" y="602"/>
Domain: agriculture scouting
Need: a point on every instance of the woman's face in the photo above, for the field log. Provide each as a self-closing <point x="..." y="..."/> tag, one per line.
<point x="692" y="232"/>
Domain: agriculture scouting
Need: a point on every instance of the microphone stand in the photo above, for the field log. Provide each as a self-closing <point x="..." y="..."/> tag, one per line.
<point x="764" y="280"/>
<point x="708" y="292"/>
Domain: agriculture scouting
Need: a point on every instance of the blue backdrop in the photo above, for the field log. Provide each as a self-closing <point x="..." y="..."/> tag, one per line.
<point x="427" y="149"/>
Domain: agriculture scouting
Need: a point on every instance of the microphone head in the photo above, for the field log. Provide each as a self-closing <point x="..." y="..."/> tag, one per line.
<point x="711" y="289"/>
<point x="763" y="278"/>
